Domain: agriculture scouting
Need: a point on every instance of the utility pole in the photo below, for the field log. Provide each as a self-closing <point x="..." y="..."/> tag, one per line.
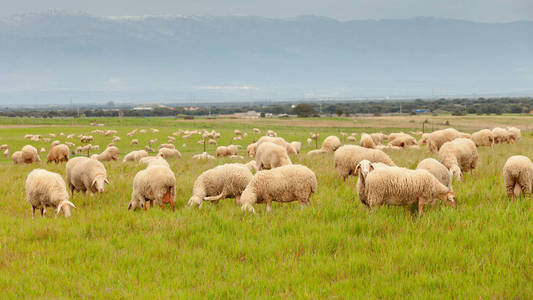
<point x="400" y="108"/>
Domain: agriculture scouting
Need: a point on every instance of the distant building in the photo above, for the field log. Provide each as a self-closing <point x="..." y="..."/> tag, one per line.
<point x="192" y="108"/>
<point x="422" y="111"/>
<point x="142" y="108"/>
<point x="251" y="114"/>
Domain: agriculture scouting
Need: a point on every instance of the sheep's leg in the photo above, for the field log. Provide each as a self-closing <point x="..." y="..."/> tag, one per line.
<point x="269" y="205"/>
<point x="32" y="211"/>
<point x="238" y="199"/>
<point x="420" y="206"/>
<point x="151" y="203"/>
<point x="84" y="193"/>
<point x="43" y="211"/>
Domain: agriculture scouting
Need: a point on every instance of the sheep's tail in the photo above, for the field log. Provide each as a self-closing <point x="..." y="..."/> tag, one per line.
<point x="214" y="198"/>
<point x="517" y="190"/>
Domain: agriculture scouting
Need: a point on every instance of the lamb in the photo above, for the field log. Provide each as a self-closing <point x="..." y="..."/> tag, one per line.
<point x="348" y="157"/>
<point x="225" y="181"/>
<point x="518" y="176"/>
<point x="438" y="170"/>
<point x="154" y="184"/>
<point x="30" y="154"/>
<point x="331" y="143"/>
<point x="17" y="158"/>
<point x="167" y="153"/>
<point x="366" y="141"/>
<point x="437" y="138"/>
<point x="47" y="189"/>
<point x="283" y="184"/>
<point x="153" y="160"/>
<point x="483" y="137"/>
<point x="459" y="155"/>
<point x="110" y="153"/>
<point x="400" y="186"/>
<point x="297" y="146"/>
<point x="85" y="174"/>
<point x="58" y="154"/>
<point x="135" y="155"/>
<point x="270" y="155"/>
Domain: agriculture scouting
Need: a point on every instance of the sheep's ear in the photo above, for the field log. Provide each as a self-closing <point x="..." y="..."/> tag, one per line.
<point x="70" y="203"/>
<point x="58" y="210"/>
<point x="129" y="206"/>
<point x="94" y="181"/>
<point x="358" y="168"/>
<point x="106" y="181"/>
<point x="371" y="167"/>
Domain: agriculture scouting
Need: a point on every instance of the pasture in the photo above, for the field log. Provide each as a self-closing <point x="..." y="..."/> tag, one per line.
<point x="335" y="248"/>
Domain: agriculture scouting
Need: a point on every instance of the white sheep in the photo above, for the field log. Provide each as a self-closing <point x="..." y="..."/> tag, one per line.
<point x="366" y="141"/>
<point x="459" y="155"/>
<point x="483" y="137"/>
<point x="400" y="186"/>
<point x="30" y="155"/>
<point x="110" y="153"/>
<point x="58" y="153"/>
<point x="348" y="157"/>
<point x="378" y="137"/>
<point x="438" y="170"/>
<point x="135" y="155"/>
<point x="167" y="153"/>
<point x="47" y="189"/>
<point x="85" y="174"/>
<point x="270" y="155"/>
<point x="514" y="133"/>
<point x="17" y="157"/>
<point x="518" y="176"/>
<point x="331" y="143"/>
<point x="225" y="181"/>
<point x="437" y="138"/>
<point x="203" y="156"/>
<point x="153" y="184"/>
<point x="153" y="160"/>
<point x="297" y="146"/>
<point x="283" y="184"/>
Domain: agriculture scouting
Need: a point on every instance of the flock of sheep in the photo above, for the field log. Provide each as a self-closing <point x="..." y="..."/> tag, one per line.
<point x="380" y="181"/>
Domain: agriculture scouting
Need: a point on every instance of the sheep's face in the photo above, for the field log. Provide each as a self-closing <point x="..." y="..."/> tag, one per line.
<point x="99" y="183"/>
<point x="195" y="200"/>
<point x="248" y="198"/>
<point x="135" y="204"/>
<point x="449" y="198"/>
<point x="456" y="172"/>
<point x="65" y="207"/>
<point x="363" y="168"/>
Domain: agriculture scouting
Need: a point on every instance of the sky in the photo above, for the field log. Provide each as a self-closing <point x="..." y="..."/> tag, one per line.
<point x="473" y="10"/>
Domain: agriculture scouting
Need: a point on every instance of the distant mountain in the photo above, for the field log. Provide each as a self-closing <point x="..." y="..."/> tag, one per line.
<point x="51" y="57"/>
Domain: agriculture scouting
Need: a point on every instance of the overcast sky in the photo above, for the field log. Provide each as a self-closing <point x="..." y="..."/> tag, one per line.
<point x="475" y="10"/>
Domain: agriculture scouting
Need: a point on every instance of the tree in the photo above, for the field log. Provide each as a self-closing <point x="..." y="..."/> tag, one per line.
<point x="339" y="111"/>
<point x="303" y="110"/>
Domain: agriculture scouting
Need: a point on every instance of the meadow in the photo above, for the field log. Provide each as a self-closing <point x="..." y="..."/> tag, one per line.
<point x="335" y="248"/>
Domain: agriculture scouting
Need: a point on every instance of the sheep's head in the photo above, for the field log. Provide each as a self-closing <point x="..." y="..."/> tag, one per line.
<point x="449" y="197"/>
<point x="195" y="200"/>
<point x="456" y="172"/>
<point x="363" y="168"/>
<point x="135" y="204"/>
<point x="99" y="183"/>
<point x="65" y="207"/>
<point x="248" y="198"/>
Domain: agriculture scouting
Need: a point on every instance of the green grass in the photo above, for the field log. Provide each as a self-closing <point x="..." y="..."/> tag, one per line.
<point x="334" y="249"/>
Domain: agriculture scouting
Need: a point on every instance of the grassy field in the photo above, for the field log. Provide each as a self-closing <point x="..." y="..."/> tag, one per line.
<point x="336" y="248"/>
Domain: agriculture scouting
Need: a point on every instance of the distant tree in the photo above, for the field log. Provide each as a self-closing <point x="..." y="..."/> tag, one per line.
<point x="303" y="110"/>
<point x="339" y="111"/>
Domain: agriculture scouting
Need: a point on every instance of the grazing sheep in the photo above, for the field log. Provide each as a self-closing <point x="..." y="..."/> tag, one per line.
<point x="154" y="184"/>
<point x="222" y="151"/>
<point x="6" y="153"/>
<point x="378" y="137"/>
<point x="225" y="181"/>
<point x="17" y="158"/>
<point x="47" y="189"/>
<point x="297" y="146"/>
<point x="518" y="176"/>
<point x="42" y="150"/>
<point x="400" y="186"/>
<point x="309" y="141"/>
<point x="110" y="153"/>
<point x="331" y="143"/>
<point x="4" y="147"/>
<point x="276" y="140"/>
<point x="271" y="133"/>
<point x="237" y="132"/>
<point x="362" y="170"/>
<point x="58" y="154"/>
<point x="424" y="139"/>
<point x="154" y="130"/>
<point x="203" y="156"/>
<point x="167" y="153"/>
<point x="351" y="139"/>
<point x="251" y="165"/>
<point x="348" y="157"/>
<point x="169" y="146"/>
<point x="257" y="130"/>
<point x="459" y="155"/>
<point x="283" y="184"/>
<point x="438" y="170"/>
<point x="270" y="155"/>
<point x="85" y="174"/>
<point x="483" y="137"/>
<point x="251" y="149"/>
<point x="135" y="155"/>
<point x="366" y="141"/>
<point x="514" y="133"/>
<point x="403" y="141"/>
<point x="153" y="160"/>
<point x="316" y="152"/>
<point x="437" y="138"/>
<point x="55" y="143"/>
<point x="30" y="154"/>
<point x="212" y="142"/>
<point x="134" y="142"/>
<point x="115" y="139"/>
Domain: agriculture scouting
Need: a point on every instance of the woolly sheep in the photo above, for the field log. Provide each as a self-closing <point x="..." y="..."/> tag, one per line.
<point x="424" y="139"/>
<point x="167" y="153"/>
<point x="42" y="150"/>
<point x="270" y="155"/>
<point x="348" y="157"/>
<point x="378" y="137"/>
<point x="169" y="146"/>
<point x="251" y="165"/>
<point x="17" y="157"/>
<point x="514" y="133"/>
<point x="153" y="161"/>
<point x="30" y="154"/>
<point x="403" y="141"/>
<point x="316" y="152"/>
<point x="309" y="141"/>
<point x="135" y="155"/>
<point x="134" y="142"/>
<point x="483" y="137"/>
<point x="276" y="140"/>
<point x="283" y="184"/>
<point x="438" y="170"/>
<point x="6" y="153"/>
<point x="459" y="155"/>
<point x="55" y="143"/>
<point x="400" y="186"/>
<point x="518" y="176"/>
<point x="351" y="138"/>
<point x="110" y="153"/>
<point x="366" y="141"/>
<point x="225" y="181"/>
<point x="58" y="154"/>
<point x="437" y="138"/>
<point x="271" y="133"/>
<point x="154" y="184"/>
<point x="297" y="146"/>
<point x="84" y="174"/>
<point x="47" y="189"/>
<point x="257" y="130"/>
<point x="331" y="143"/>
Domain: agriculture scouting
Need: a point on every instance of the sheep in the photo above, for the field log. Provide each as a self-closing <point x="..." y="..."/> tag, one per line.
<point x="212" y="142"/>
<point x="225" y="181"/>
<point x="438" y="170"/>
<point x="4" y="147"/>
<point x="271" y="133"/>
<point x="237" y="132"/>
<point x="316" y="152"/>
<point x="135" y="155"/>
<point x="30" y="154"/>
<point x="270" y="155"/>
<point x="154" y="184"/>
<point x="203" y="156"/>
<point x="222" y="151"/>
<point x="47" y="189"/>
<point x="309" y="141"/>
<point x="257" y="130"/>
<point x="134" y="142"/>
<point x="167" y="153"/>
<point x="378" y="137"/>
<point x="251" y="165"/>
<point x="169" y="146"/>
<point x="276" y="140"/>
<point x="283" y="184"/>
<point x="154" y="130"/>
<point x="400" y="186"/>
<point x="58" y="154"/>
<point x="459" y="155"/>
<point x="331" y="143"/>
<point x="85" y="174"/>
<point x="233" y="150"/>
<point x="110" y="153"/>
<point x="362" y="170"/>
<point x="404" y="141"/>
<point x="348" y="157"/>
<point x="514" y="133"/>
<point x="153" y="160"/>
<point x="297" y="146"/>
<point x="42" y="150"/>
<point x="55" y="143"/>
<point x="518" y="176"/>
<point x="6" y="153"/>
<point x="115" y="139"/>
<point x="483" y="137"/>
<point x="142" y="131"/>
<point x="251" y="149"/>
<point x="437" y="138"/>
<point x="367" y="141"/>
<point x="424" y="139"/>
<point x="17" y="158"/>
<point x="351" y="138"/>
